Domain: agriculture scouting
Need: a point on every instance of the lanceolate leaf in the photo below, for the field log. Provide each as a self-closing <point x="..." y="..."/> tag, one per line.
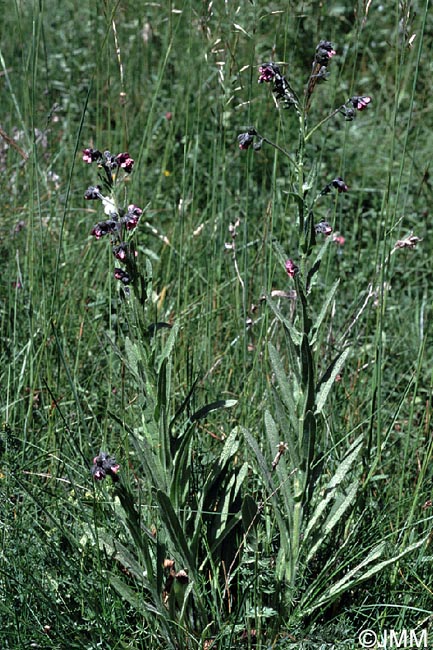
<point x="284" y="385"/>
<point x="328" y="379"/>
<point x="331" y="487"/>
<point x="334" y="517"/>
<point x="250" y="514"/>
<point x="295" y="335"/>
<point x="308" y="433"/>
<point x="284" y="523"/>
<point x="132" y="596"/>
<point x="132" y="356"/>
<point x="168" y="348"/>
<point x="317" y="262"/>
<point x="174" y="530"/>
<point x="154" y="471"/>
<point x="307" y="368"/>
<point x="220" y="404"/>
<point x="360" y="573"/>
<point x="329" y="298"/>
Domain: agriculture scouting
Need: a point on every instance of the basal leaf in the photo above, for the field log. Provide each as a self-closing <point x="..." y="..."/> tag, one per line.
<point x="360" y="573"/>
<point x="174" y="530"/>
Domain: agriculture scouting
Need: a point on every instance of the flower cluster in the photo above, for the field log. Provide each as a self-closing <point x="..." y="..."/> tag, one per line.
<point x="248" y="138"/>
<point x="107" y="161"/>
<point x="291" y="268"/>
<point x="270" y="72"/>
<point x="323" y="228"/>
<point x="408" y="242"/>
<point x="319" y="72"/>
<point x="324" y="53"/>
<point x="115" y="224"/>
<point x="120" y="221"/>
<point x="355" y="103"/>
<point x="337" y="184"/>
<point x="103" y="465"/>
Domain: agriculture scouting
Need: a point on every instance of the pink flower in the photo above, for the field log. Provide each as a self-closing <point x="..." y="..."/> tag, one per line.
<point x="324" y="53"/>
<point x="267" y="73"/>
<point x="103" y="465"/>
<point x="245" y="140"/>
<point x="135" y="210"/>
<point x="291" y="268"/>
<point x="91" y="155"/>
<point x="339" y="240"/>
<point x="132" y="216"/>
<point x="120" y="252"/>
<point x="339" y="184"/>
<point x="125" y="161"/>
<point x="360" y="103"/>
<point x="104" y="228"/>
<point x="324" y="228"/>
<point x="98" y="474"/>
<point x="122" y="275"/>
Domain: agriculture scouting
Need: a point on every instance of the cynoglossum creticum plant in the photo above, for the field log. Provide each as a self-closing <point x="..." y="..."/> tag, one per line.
<point x="169" y="518"/>
<point x="192" y="515"/>
<point x="121" y="220"/>
<point x="308" y="507"/>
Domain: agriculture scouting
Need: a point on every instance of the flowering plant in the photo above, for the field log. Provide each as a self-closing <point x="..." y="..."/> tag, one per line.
<point x="120" y="220"/>
<point x="287" y="97"/>
<point x="104" y="465"/>
<point x="300" y="394"/>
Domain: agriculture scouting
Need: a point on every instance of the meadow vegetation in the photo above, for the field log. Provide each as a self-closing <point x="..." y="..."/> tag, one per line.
<point x="230" y="446"/>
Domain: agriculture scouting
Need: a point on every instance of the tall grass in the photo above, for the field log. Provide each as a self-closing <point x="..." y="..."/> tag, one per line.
<point x="202" y="540"/>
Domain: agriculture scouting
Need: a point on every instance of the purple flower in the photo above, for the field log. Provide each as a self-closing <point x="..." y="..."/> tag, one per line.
<point x="92" y="193"/>
<point x="281" y="87"/>
<point x="267" y="72"/>
<point x="91" y="155"/>
<point x="122" y="275"/>
<point x="360" y="102"/>
<point x="355" y="103"/>
<point x="98" y="473"/>
<point x="125" y="161"/>
<point x="324" y="228"/>
<point x="291" y="268"/>
<point x="339" y="184"/>
<point x="324" y="53"/>
<point x="245" y="140"/>
<point x="135" y="210"/>
<point x="103" y="465"/>
<point x="132" y="216"/>
<point x="104" y="228"/>
<point x="120" y="252"/>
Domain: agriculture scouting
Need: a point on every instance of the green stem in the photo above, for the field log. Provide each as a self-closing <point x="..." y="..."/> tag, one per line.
<point x="319" y="124"/>
<point x="283" y="151"/>
<point x="301" y="175"/>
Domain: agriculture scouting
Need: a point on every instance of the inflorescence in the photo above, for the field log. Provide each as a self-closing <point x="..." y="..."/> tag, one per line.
<point x="270" y="73"/>
<point x="120" y="220"/>
<point x="105" y="465"/>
